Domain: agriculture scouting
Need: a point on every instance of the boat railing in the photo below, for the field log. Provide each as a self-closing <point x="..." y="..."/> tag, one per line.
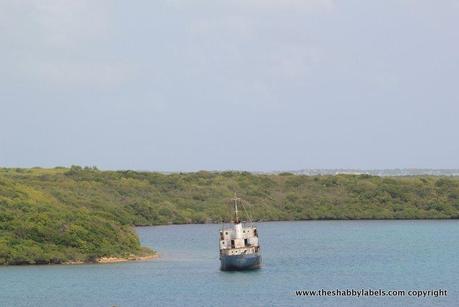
<point x="244" y="225"/>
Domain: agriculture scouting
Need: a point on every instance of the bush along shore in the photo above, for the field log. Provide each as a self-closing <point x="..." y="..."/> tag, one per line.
<point x="79" y="215"/>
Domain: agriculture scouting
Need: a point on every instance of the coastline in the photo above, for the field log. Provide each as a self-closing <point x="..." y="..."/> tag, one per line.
<point x="108" y="260"/>
<point x="310" y="220"/>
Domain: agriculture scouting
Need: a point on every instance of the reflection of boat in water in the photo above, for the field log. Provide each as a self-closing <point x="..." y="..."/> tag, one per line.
<point x="239" y="244"/>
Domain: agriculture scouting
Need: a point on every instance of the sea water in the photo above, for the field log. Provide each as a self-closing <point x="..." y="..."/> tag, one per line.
<point x="310" y="255"/>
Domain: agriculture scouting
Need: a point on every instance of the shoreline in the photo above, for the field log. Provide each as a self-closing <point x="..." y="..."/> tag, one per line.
<point x="108" y="260"/>
<point x="311" y="220"/>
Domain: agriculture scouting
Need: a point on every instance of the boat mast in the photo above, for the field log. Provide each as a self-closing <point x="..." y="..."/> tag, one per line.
<point x="236" y="215"/>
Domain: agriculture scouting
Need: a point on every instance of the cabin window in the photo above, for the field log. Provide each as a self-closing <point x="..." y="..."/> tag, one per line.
<point x="232" y="243"/>
<point x="226" y="232"/>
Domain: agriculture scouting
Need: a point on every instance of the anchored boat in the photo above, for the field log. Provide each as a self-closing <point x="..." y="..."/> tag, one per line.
<point x="239" y="244"/>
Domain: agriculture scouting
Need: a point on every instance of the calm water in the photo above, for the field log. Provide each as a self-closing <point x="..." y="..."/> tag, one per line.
<point x="401" y="255"/>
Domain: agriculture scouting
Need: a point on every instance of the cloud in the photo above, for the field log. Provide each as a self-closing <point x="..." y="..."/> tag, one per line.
<point x="72" y="74"/>
<point x="293" y="61"/>
<point x="312" y="5"/>
<point x="292" y="4"/>
<point x="54" y="23"/>
<point x="69" y="23"/>
<point x="59" y="43"/>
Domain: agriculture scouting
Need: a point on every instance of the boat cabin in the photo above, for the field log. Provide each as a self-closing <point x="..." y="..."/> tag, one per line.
<point x="239" y="240"/>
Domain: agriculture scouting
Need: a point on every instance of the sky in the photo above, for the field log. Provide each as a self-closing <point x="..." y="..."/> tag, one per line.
<point x="256" y="85"/>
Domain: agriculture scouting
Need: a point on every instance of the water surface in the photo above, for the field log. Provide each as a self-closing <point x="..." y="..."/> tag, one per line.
<point x="312" y="255"/>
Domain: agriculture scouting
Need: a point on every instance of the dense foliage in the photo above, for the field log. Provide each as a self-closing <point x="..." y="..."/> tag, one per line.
<point x="55" y="215"/>
<point x="38" y="228"/>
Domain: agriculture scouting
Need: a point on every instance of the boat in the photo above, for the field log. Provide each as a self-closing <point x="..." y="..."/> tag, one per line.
<point x="239" y="243"/>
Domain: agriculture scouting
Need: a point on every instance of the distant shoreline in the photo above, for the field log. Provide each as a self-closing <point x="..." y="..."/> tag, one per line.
<point x="308" y="220"/>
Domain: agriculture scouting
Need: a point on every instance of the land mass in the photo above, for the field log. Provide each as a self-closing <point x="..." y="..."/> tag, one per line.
<point x="74" y="215"/>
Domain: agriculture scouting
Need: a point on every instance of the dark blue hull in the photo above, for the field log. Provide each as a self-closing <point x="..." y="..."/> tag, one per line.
<point x="240" y="262"/>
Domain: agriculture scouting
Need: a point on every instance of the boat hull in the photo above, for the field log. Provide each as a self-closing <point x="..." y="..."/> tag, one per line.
<point x="240" y="262"/>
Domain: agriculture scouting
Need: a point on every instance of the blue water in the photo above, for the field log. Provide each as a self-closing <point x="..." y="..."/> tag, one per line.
<point x="313" y="255"/>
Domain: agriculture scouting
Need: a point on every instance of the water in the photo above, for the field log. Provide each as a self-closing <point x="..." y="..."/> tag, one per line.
<point x="389" y="255"/>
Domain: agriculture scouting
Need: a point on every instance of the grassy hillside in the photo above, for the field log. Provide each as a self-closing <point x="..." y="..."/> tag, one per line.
<point x="55" y="215"/>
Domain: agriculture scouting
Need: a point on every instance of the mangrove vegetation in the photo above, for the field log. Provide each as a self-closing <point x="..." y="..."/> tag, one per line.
<point x="81" y="214"/>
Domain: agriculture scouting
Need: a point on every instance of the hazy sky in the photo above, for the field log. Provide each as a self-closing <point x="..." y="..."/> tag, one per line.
<point x="237" y="84"/>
